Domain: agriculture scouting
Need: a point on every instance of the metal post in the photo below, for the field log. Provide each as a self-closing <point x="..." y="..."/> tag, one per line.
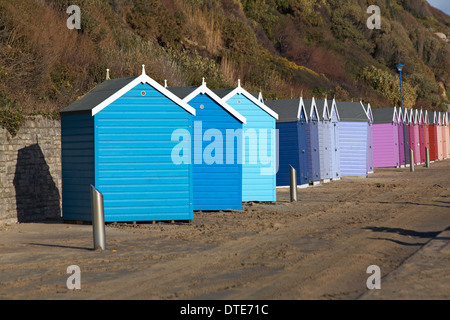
<point x="427" y="157"/>
<point x="98" y="218"/>
<point x="401" y="91"/>
<point x="411" y="160"/>
<point x="293" y="180"/>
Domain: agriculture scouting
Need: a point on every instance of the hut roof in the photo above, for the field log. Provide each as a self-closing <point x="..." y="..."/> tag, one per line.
<point x="256" y="98"/>
<point x="110" y="90"/>
<point x="351" y="111"/>
<point x="97" y="95"/>
<point x="384" y="115"/>
<point x="189" y="92"/>
<point x="287" y="109"/>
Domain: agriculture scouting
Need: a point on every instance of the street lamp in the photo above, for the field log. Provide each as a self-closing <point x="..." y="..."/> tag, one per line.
<point x="400" y="68"/>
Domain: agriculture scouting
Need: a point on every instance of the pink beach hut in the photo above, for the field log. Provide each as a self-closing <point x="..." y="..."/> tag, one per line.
<point x="414" y="140"/>
<point x="424" y="135"/>
<point x="445" y="138"/>
<point x="385" y="138"/>
<point x="439" y="134"/>
<point x="401" y="138"/>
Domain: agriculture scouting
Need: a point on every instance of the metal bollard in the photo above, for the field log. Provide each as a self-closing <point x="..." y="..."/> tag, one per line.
<point x="98" y="218"/>
<point x="293" y="181"/>
<point x="427" y="157"/>
<point x="411" y="160"/>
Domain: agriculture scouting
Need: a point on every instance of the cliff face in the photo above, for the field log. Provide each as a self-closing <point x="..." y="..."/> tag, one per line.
<point x="283" y="47"/>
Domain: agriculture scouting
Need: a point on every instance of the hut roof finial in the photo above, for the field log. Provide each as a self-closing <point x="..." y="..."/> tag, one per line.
<point x="143" y="69"/>
<point x="107" y="74"/>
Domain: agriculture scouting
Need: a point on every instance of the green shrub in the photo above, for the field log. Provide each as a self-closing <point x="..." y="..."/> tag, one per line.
<point x="11" y="121"/>
<point x="388" y="85"/>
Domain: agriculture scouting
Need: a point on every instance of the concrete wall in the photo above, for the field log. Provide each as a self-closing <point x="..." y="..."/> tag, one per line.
<point x="30" y="172"/>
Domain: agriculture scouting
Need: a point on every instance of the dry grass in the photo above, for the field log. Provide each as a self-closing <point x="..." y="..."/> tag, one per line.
<point x="207" y="26"/>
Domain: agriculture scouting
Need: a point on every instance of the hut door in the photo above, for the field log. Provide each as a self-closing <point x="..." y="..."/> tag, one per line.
<point x="335" y="159"/>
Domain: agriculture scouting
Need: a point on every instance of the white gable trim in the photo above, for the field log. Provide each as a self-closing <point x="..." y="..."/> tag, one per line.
<point x="421" y="117"/>
<point x="417" y="117"/>
<point x="258" y="102"/>
<point x="368" y="111"/>
<point x="203" y="89"/>
<point x="314" y="109"/>
<point x="143" y="78"/>
<point x="399" y="115"/>
<point x="301" y="106"/>
<point x="326" y="113"/>
<point x="406" y="116"/>
<point x="412" y="118"/>
<point x="334" y="107"/>
<point x="260" y="97"/>
<point x="364" y="109"/>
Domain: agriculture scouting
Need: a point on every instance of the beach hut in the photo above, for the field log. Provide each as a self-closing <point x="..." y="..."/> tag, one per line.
<point x="401" y="139"/>
<point x="370" y="164"/>
<point x="439" y="140"/>
<point x="385" y="138"/>
<point x="118" y="138"/>
<point x="292" y="144"/>
<point x="414" y="141"/>
<point x="447" y="128"/>
<point x="426" y="133"/>
<point x="259" y="154"/>
<point x="445" y="139"/>
<point x="445" y="135"/>
<point x="217" y="146"/>
<point x="312" y="137"/>
<point x="419" y="137"/>
<point x="325" y="131"/>
<point x="423" y="134"/>
<point x="353" y="128"/>
<point x="432" y="134"/>
<point x="335" y="154"/>
<point x="405" y="120"/>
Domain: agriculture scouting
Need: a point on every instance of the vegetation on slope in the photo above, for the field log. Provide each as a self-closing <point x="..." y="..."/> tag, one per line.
<point x="285" y="48"/>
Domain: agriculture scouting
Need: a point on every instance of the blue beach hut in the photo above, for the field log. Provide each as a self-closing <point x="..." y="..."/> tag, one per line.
<point x="217" y="149"/>
<point x="335" y="149"/>
<point x="325" y="136"/>
<point x="259" y="145"/>
<point x="292" y="145"/>
<point x="312" y="137"/>
<point x="353" y="131"/>
<point x="370" y="165"/>
<point x="118" y="138"/>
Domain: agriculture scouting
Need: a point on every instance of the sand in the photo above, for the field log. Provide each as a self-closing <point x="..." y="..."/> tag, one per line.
<point x="317" y="248"/>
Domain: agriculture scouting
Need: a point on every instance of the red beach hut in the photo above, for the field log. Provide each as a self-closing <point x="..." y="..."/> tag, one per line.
<point x="432" y="134"/>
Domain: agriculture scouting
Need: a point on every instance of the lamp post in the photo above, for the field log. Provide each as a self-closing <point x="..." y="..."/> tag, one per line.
<point x="400" y="68"/>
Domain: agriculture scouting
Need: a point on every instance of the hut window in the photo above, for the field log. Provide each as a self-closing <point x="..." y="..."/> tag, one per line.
<point x="239" y="101"/>
<point x="202" y="106"/>
<point x="143" y="93"/>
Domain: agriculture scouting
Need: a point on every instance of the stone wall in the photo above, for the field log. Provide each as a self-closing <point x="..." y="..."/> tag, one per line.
<point x="30" y="171"/>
